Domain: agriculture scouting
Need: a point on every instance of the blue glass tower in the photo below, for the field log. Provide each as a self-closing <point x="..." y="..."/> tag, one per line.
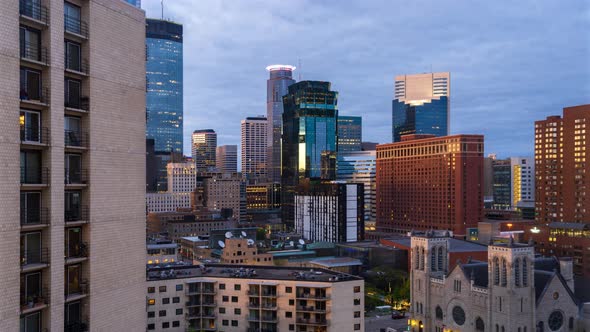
<point x="164" y="85"/>
<point x="350" y="133"/>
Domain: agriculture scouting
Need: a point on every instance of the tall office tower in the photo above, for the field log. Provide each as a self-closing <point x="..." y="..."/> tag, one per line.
<point x="309" y="129"/>
<point x="136" y="3"/>
<point x="254" y="140"/>
<point x="562" y="186"/>
<point x="72" y="121"/>
<point x="360" y="167"/>
<point x="164" y="84"/>
<point x="281" y="77"/>
<point x="203" y="149"/>
<point x="426" y="182"/>
<point x="421" y="105"/>
<point x="226" y="157"/>
<point x="350" y="133"/>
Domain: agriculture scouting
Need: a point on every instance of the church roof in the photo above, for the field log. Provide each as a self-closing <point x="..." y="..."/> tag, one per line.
<point x="479" y="272"/>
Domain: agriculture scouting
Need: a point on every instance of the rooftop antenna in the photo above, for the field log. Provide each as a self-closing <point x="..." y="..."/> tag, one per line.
<point x="162" y="3"/>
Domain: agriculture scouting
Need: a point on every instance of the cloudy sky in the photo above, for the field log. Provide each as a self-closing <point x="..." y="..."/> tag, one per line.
<point x="511" y="62"/>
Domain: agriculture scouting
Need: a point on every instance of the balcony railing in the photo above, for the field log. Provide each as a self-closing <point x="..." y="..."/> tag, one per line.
<point x="39" y="256"/>
<point x="35" y="94"/>
<point x="75" y="176"/>
<point x="76" y="26"/>
<point x="79" y="251"/>
<point x="34" y="216"/>
<point x="34" y="299"/>
<point x="30" y="134"/>
<point x="304" y="321"/>
<point x="30" y="175"/>
<point x="79" y="326"/>
<point x="80" y="289"/>
<point x="34" y="10"/>
<point x="34" y="52"/>
<point x="76" y="138"/>
<point x="313" y="296"/>
<point x="78" y="66"/>
<point x="207" y="291"/>
<point x="76" y="215"/>
<point x="82" y="103"/>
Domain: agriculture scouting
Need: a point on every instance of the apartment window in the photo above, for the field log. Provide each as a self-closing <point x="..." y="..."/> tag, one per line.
<point x="234" y="323"/>
<point x="288" y="289"/>
<point x="73" y="168"/>
<point x="73" y="93"/>
<point x="165" y="325"/>
<point x="225" y="322"/>
<point x="237" y="287"/>
<point x="72" y="131"/>
<point x="30" y="43"/>
<point x="30" y="165"/>
<point x="162" y="313"/>
<point x="357" y="314"/>
<point x="30" y="207"/>
<point x="73" y="207"/>
<point x="234" y="299"/>
<point x="288" y="314"/>
<point x="151" y="301"/>
<point x="291" y="302"/>
<point x="162" y="289"/>
<point x="357" y="301"/>
<point x="151" y="326"/>
<point x="225" y="298"/>
<point x="30" y="84"/>
<point x="357" y="327"/>
<point x="179" y="311"/>
<point x="166" y="300"/>
<point x="72" y="18"/>
<point x="151" y="314"/>
<point x="237" y="311"/>
<point x="30" y="126"/>
<point x="176" y="299"/>
<point x="222" y="310"/>
<point x="221" y="286"/>
<point x="175" y="323"/>
<point x="73" y="56"/>
<point x="357" y="289"/>
<point x="179" y="287"/>
<point x="151" y="290"/>
<point x="291" y="327"/>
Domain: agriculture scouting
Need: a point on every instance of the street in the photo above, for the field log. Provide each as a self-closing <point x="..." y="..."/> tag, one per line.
<point x="376" y="323"/>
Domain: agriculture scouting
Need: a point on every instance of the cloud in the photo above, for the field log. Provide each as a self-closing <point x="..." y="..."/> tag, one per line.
<point x="511" y="63"/>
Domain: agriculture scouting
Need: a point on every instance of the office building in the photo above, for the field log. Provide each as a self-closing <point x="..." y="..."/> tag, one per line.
<point x="238" y="298"/>
<point x="203" y="149"/>
<point x="167" y="201"/>
<point x="510" y="290"/>
<point x="73" y="165"/>
<point x="421" y="105"/>
<point x="350" y="133"/>
<point x="182" y="177"/>
<point x="562" y="185"/>
<point x="179" y="224"/>
<point x="427" y="182"/>
<point x="164" y="84"/>
<point x="254" y="144"/>
<point x="265" y="196"/>
<point x="224" y="191"/>
<point x="226" y="157"/>
<point x="330" y="212"/>
<point x="360" y="167"/>
<point x="281" y="77"/>
<point x="511" y="183"/>
<point x="309" y="129"/>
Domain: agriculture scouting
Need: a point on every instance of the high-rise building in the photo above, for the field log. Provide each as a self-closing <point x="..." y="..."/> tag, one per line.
<point x="203" y="149"/>
<point x="72" y="116"/>
<point x="360" y="167"/>
<point x="331" y="212"/>
<point x="164" y="84"/>
<point x="309" y="129"/>
<point x="281" y="77"/>
<point x="562" y="186"/>
<point x="350" y="133"/>
<point x="227" y="158"/>
<point x="254" y="144"/>
<point x="426" y="182"/>
<point x="421" y="105"/>
<point x="511" y="183"/>
<point x="136" y="3"/>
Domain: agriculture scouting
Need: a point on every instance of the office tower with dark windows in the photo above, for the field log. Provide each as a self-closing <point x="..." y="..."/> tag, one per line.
<point x="350" y="133"/>
<point x="562" y="186"/>
<point x="227" y="158"/>
<point x="73" y="156"/>
<point x="421" y="105"/>
<point x="309" y="130"/>
<point x="203" y="149"/>
<point x="426" y="182"/>
<point x="254" y="142"/>
<point x="360" y="167"/>
<point x="164" y="84"/>
<point x="281" y="77"/>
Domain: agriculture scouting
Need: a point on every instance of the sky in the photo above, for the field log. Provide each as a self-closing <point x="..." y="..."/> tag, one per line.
<point x="511" y="62"/>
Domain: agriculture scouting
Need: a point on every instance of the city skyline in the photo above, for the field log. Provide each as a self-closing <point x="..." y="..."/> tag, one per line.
<point x="503" y="70"/>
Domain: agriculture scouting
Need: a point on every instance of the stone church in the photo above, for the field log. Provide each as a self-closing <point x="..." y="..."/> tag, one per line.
<point x="513" y="291"/>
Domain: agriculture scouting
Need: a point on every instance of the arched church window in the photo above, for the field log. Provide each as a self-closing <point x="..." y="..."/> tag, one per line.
<point x="440" y="259"/>
<point x="517" y="272"/>
<point x="525" y="272"/>
<point x="496" y="267"/>
<point x="504" y="279"/>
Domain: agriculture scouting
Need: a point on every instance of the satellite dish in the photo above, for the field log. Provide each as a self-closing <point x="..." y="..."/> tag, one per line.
<point x="291" y="243"/>
<point x="301" y="242"/>
<point x="221" y="244"/>
<point x="250" y="242"/>
<point x="244" y="234"/>
<point x="228" y="235"/>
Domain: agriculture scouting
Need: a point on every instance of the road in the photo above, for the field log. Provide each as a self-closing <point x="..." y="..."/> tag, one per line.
<point x="376" y="323"/>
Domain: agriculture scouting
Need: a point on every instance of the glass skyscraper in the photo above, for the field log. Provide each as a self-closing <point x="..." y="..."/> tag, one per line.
<point x="421" y="105"/>
<point x="350" y="133"/>
<point x="309" y="130"/>
<point x="164" y="85"/>
<point x="136" y="3"/>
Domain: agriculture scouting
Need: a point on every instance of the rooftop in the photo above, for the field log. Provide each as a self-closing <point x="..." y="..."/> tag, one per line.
<point x="253" y="272"/>
<point x="455" y="245"/>
<point x="329" y="262"/>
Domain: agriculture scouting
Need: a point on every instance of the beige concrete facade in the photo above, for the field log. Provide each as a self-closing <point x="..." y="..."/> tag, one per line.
<point x="99" y="142"/>
<point x="233" y="298"/>
<point x="241" y="251"/>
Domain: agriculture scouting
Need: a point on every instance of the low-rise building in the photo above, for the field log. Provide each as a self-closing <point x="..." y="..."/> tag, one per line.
<point x="243" y="251"/>
<point x="181" y="224"/>
<point x="238" y="298"/>
<point x="161" y="252"/>
<point x="167" y="201"/>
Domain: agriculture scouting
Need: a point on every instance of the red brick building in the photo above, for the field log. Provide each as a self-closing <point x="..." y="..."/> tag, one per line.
<point x="562" y="186"/>
<point x="426" y="182"/>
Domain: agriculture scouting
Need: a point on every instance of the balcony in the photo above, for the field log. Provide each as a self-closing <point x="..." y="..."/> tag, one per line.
<point x="34" y="54"/>
<point x="34" y="96"/>
<point x="263" y="318"/>
<point x="33" y="218"/>
<point x="34" y="136"/>
<point x="76" y="139"/>
<point x="76" y="291"/>
<point x="309" y="296"/>
<point x="200" y="304"/>
<point x="79" y="326"/>
<point x="34" y="301"/>
<point x="75" y="27"/>
<point x="76" y="216"/>
<point x="75" y="105"/>
<point x="198" y="315"/>
<point x="311" y="309"/>
<point x="76" y="253"/>
<point x="30" y="176"/>
<point x="34" y="259"/>
<point x="75" y="177"/>
<point x="313" y="322"/>
<point x="34" y="11"/>
<point x="204" y="291"/>
<point x="78" y="67"/>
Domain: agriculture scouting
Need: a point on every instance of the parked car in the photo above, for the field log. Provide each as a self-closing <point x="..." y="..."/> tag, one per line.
<point x="397" y="314"/>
